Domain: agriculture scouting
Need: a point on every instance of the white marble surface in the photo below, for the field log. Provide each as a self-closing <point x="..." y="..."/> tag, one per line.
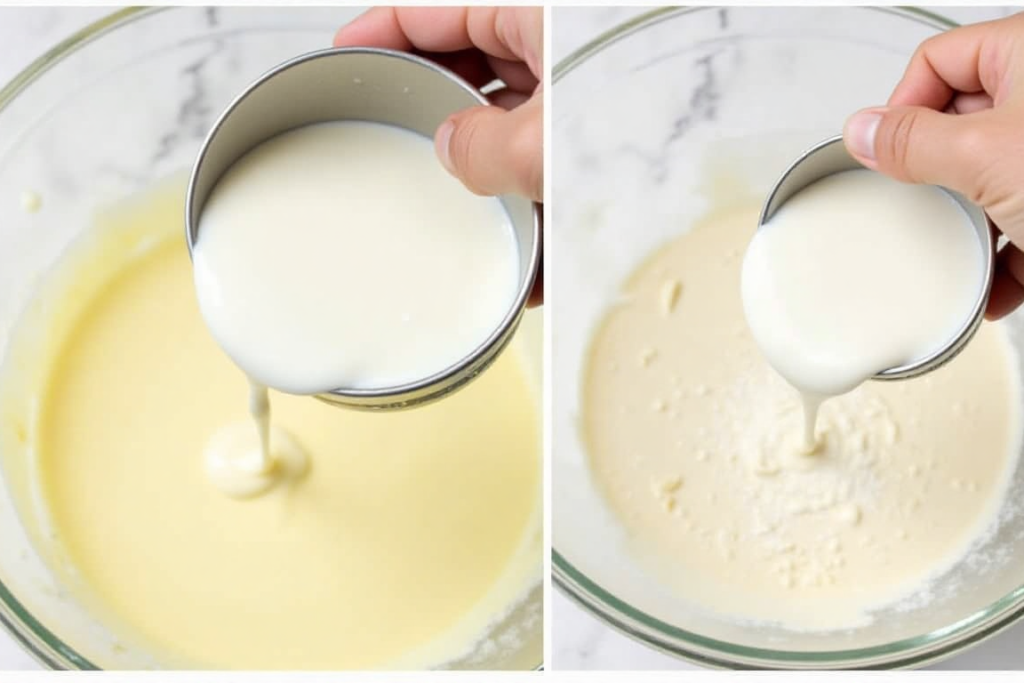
<point x="580" y="640"/>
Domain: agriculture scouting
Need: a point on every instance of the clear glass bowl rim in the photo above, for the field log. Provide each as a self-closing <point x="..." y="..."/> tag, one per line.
<point x="40" y="642"/>
<point x="906" y="653"/>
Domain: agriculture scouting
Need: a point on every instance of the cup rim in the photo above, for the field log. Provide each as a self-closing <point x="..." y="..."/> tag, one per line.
<point x="454" y="376"/>
<point x="975" y="215"/>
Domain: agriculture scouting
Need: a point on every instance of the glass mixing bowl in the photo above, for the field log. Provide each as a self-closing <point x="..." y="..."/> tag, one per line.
<point x="121" y="104"/>
<point x="645" y="119"/>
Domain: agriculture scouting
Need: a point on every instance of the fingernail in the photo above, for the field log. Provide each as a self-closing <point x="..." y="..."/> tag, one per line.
<point x="860" y="133"/>
<point x="442" y="141"/>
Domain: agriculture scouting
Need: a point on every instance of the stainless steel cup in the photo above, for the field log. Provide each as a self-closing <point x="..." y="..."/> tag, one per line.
<point x="365" y="84"/>
<point x="830" y="156"/>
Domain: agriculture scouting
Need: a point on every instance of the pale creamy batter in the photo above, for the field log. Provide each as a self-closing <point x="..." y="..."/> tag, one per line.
<point x="343" y="255"/>
<point x="855" y="274"/>
<point x="696" y="444"/>
<point x="396" y="544"/>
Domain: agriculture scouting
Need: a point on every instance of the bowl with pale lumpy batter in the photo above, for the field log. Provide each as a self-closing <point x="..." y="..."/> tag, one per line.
<point x="685" y="513"/>
<point x="410" y="540"/>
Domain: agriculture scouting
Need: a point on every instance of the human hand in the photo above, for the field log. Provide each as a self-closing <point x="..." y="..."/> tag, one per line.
<point x="956" y="119"/>
<point x="496" y="149"/>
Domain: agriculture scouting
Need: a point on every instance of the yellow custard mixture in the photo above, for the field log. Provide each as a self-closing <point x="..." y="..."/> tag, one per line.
<point x="406" y="537"/>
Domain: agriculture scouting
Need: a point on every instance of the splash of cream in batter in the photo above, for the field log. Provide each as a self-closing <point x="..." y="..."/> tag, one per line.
<point x="246" y="459"/>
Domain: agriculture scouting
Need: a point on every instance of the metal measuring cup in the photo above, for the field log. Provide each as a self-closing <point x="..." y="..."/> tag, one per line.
<point x="365" y="84"/>
<point x="831" y="156"/>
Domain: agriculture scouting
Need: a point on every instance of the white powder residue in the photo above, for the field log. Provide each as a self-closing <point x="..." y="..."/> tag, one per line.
<point x="699" y="450"/>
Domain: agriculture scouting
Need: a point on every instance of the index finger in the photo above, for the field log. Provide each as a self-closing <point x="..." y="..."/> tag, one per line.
<point x="968" y="59"/>
<point x="508" y="33"/>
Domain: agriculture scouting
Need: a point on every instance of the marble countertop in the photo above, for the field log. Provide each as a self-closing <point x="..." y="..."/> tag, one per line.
<point x="580" y="640"/>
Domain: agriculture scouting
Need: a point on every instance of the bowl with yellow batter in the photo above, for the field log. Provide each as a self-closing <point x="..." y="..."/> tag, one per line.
<point x="685" y="512"/>
<point x="409" y="540"/>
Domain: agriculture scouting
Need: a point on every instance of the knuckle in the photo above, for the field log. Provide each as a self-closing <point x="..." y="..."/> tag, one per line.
<point x="924" y="48"/>
<point x="463" y="140"/>
<point x="897" y="143"/>
<point x="968" y="141"/>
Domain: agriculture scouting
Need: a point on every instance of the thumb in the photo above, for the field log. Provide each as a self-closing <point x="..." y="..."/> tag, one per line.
<point x="494" y="151"/>
<point x="921" y="145"/>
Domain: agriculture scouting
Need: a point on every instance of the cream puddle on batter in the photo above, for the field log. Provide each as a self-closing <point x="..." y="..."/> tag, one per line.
<point x="696" y="444"/>
<point x="394" y="540"/>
